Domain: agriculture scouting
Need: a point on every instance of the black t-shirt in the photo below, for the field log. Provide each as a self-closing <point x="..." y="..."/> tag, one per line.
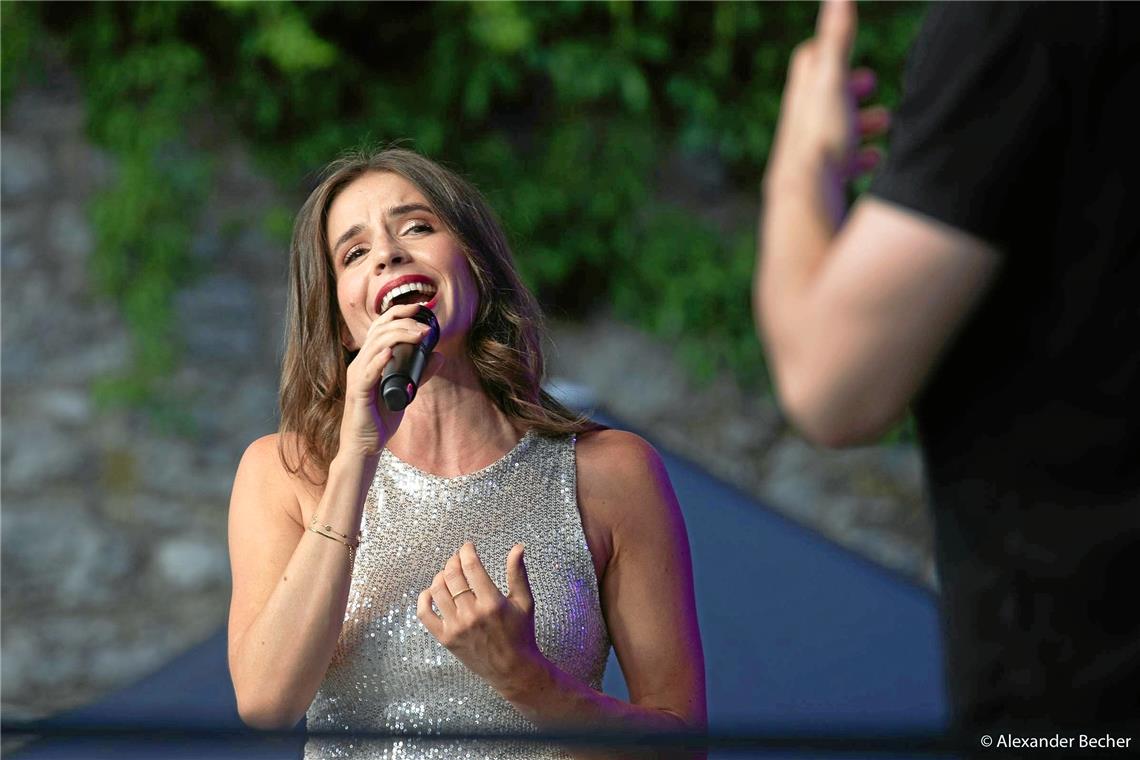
<point x="1016" y="126"/>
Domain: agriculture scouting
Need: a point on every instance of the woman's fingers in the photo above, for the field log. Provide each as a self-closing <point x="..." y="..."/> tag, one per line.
<point x="427" y="615"/>
<point x="397" y="317"/>
<point x="476" y="574"/>
<point x="375" y="367"/>
<point x="518" y="583"/>
<point x="383" y="335"/>
<point x="492" y="635"/>
<point x="400" y="311"/>
<point x="457" y="584"/>
<point x="396" y="314"/>
<point x="367" y="366"/>
<point x="441" y="594"/>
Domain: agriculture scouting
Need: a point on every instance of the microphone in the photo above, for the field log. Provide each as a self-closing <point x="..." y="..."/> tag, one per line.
<point x="401" y="375"/>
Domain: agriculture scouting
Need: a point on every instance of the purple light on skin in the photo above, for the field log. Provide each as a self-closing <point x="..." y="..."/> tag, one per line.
<point x="577" y="588"/>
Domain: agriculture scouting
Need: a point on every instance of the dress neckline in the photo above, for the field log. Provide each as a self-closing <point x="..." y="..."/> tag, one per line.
<point x="520" y="448"/>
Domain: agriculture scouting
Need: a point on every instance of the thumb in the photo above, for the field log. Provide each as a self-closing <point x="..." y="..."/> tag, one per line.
<point x="518" y="585"/>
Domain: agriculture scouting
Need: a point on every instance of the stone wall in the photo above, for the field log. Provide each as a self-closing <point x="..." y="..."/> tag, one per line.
<point x="114" y="554"/>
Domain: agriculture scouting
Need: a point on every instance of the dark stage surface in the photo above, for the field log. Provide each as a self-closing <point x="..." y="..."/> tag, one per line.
<point x="800" y="636"/>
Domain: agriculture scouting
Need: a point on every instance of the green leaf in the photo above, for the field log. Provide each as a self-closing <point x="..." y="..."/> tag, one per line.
<point x="500" y="27"/>
<point x="287" y="40"/>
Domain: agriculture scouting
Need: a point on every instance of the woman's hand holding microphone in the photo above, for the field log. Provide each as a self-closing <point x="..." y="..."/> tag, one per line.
<point x="367" y="424"/>
<point x="276" y="683"/>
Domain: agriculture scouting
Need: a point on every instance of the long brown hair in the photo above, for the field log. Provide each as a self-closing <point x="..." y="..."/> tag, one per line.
<point x="505" y="341"/>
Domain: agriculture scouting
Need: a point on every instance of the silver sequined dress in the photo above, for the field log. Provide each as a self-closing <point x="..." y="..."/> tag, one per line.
<point x="388" y="673"/>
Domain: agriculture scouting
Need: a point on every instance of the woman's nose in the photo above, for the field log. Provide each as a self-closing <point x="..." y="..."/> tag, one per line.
<point x="389" y="255"/>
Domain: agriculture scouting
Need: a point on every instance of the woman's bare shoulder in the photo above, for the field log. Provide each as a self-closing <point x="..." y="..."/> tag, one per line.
<point x="617" y="468"/>
<point x="610" y="454"/>
<point x="269" y="467"/>
<point x="262" y="453"/>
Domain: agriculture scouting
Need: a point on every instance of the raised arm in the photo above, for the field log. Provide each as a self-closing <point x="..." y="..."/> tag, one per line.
<point x="854" y="312"/>
<point x="290" y="585"/>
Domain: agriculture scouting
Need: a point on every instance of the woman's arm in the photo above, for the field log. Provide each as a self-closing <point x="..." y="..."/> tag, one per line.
<point x="646" y="596"/>
<point x="290" y="585"/>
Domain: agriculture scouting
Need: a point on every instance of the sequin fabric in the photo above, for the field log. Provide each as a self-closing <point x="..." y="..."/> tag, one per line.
<point x="388" y="673"/>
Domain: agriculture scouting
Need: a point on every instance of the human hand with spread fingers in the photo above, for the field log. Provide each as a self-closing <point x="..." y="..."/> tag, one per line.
<point x="819" y="138"/>
<point x="853" y="307"/>
<point x="492" y="634"/>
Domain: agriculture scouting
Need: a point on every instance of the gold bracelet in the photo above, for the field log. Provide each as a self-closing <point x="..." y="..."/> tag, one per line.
<point x="351" y="547"/>
<point x="327" y="530"/>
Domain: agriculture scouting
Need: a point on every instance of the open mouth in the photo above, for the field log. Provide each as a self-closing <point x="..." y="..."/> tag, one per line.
<point x="412" y="291"/>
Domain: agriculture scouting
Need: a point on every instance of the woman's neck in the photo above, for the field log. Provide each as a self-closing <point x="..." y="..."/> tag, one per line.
<point x="452" y="427"/>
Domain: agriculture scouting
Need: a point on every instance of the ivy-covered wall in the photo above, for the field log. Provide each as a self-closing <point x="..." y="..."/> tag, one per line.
<point x="567" y="114"/>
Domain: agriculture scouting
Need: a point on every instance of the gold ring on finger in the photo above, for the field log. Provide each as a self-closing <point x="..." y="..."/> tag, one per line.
<point x="461" y="593"/>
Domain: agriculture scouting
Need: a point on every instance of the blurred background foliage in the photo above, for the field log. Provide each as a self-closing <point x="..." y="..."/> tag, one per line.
<point x="567" y="115"/>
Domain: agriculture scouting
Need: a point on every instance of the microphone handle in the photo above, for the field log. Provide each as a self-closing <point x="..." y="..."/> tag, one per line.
<point x="401" y="375"/>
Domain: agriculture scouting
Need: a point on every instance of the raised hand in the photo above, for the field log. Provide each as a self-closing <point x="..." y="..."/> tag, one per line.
<point x="492" y="634"/>
<point x="821" y="130"/>
<point x="367" y="423"/>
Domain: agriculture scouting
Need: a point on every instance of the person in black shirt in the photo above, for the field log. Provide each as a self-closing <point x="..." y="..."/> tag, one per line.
<point x="990" y="281"/>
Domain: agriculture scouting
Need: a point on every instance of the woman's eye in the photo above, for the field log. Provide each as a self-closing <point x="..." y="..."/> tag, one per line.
<point x="352" y="255"/>
<point x="417" y="228"/>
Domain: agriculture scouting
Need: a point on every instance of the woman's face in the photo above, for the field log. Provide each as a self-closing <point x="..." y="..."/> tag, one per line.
<point x="388" y="247"/>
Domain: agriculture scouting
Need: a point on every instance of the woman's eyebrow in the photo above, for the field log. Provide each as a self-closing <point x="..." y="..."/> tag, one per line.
<point x="407" y="208"/>
<point x="350" y="233"/>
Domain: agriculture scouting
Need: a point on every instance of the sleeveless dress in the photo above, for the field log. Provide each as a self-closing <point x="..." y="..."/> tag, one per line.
<point x="388" y="673"/>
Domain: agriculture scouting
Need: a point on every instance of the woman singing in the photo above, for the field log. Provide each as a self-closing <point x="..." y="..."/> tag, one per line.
<point x="465" y="564"/>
